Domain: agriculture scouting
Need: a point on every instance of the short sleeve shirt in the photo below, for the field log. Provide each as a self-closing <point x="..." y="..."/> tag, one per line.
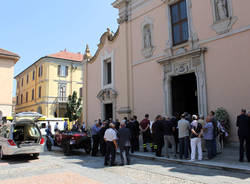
<point x="183" y="127"/>
<point x="110" y="135"/>
<point x="208" y="133"/>
<point x="144" y="123"/>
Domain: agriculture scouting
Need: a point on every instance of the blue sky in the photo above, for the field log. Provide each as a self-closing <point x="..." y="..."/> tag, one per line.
<point x="35" y="28"/>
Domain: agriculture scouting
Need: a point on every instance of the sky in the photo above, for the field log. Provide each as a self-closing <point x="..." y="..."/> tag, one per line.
<point x="36" y="28"/>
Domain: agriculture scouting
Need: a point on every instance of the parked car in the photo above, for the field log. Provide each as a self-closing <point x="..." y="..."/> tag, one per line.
<point x="69" y="140"/>
<point x="20" y="137"/>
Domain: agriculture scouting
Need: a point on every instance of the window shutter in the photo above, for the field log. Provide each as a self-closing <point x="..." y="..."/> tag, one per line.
<point x="41" y="70"/>
<point x="59" y="70"/>
<point x="67" y="68"/>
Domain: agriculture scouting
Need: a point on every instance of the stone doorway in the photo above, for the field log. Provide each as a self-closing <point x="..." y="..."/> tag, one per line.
<point x="108" y="109"/>
<point x="184" y="94"/>
<point x="185" y="63"/>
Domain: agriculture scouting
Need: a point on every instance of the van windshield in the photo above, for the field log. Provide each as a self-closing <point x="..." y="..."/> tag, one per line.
<point x="26" y="133"/>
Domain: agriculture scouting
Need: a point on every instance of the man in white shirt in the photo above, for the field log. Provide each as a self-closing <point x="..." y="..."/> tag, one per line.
<point x="111" y="145"/>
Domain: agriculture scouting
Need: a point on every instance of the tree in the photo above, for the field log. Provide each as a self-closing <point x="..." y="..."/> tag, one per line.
<point x="74" y="107"/>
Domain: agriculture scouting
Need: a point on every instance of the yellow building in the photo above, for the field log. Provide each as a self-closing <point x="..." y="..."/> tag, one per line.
<point x="45" y="85"/>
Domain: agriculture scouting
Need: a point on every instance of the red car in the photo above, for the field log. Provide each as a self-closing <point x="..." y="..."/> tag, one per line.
<point x="69" y="140"/>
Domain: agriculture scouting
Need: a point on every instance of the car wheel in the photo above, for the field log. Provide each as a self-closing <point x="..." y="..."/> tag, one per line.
<point x="66" y="148"/>
<point x="2" y="157"/>
<point x="35" y="155"/>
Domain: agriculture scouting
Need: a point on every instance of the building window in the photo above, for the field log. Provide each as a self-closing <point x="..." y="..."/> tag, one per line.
<point x="21" y="98"/>
<point x="39" y="92"/>
<point x="33" y="94"/>
<point x="107" y="72"/>
<point x="27" y="79"/>
<point x="17" y="100"/>
<point x="17" y="83"/>
<point x="33" y="75"/>
<point x="40" y="71"/>
<point x="80" y="92"/>
<point x="22" y="82"/>
<point x="62" y="71"/>
<point x="62" y="92"/>
<point x="27" y="96"/>
<point x="179" y="22"/>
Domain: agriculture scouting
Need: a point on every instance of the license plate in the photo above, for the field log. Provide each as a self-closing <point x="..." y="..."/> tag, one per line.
<point x="72" y="142"/>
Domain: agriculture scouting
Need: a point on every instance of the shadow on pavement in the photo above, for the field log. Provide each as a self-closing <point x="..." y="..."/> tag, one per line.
<point x="17" y="159"/>
<point x="86" y="160"/>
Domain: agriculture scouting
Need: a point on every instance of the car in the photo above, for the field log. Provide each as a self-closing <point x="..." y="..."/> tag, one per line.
<point x="20" y="137"/>
<point x="69" y="140"/>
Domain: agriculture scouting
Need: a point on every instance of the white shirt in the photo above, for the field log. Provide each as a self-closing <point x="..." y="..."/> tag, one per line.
<point x="110" y="135"/>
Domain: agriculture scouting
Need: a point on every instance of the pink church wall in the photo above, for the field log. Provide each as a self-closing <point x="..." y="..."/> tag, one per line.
<point x="227" y="69"/>
<point x="148" y="91"/>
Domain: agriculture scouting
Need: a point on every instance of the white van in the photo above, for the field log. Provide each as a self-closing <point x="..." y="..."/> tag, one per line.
<point x="42" y="123"/>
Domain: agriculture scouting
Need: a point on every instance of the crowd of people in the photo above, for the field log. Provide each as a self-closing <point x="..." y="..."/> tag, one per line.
<point x="184" y="135"/>
<point x="108" y="135"/>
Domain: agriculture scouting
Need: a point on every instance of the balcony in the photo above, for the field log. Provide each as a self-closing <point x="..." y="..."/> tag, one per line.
<point x="62" y="99"/>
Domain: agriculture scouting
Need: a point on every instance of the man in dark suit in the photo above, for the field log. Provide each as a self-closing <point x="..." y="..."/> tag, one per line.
<point x="243" y="125"/>
<point x="124" y="137"/>
<point x="158" y="132"/>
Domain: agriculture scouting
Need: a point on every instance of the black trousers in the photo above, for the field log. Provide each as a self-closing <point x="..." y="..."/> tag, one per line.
<point x="110" y="153"/>
<point x="124" y="150"/>
<point x="102" y="147"/>
<point x="96" y="142"/>
<point x="160" y="143"/>
<point x="134" y="143"/>
<point x="244" y="141"/>
<point x="183" y="143"/>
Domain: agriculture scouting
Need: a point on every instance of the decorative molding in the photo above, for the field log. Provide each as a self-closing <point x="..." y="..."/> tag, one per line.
<point x="224" y="26"/>
<point x="192" y="53"/>
<point x="107" y="96"/>
<point x="237" y="31"/>
<point x="189" y="62"/>
<point x="124" y="10"/>
<point x="223" y="18"/>
<point x="108" y="35"/>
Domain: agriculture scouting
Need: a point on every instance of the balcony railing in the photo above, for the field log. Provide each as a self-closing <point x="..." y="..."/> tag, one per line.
<point x="62" y="99"/>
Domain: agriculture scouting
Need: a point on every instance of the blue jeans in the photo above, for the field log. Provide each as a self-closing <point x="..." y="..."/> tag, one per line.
<point x="209" y="146"/>
<point x="183" y="143"/>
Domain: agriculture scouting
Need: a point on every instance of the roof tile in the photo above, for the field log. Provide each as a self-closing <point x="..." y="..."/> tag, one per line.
<point x="67" y="55"/>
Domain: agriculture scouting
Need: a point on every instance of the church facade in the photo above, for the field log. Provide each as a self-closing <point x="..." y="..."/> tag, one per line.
<point x="171" y="56"/>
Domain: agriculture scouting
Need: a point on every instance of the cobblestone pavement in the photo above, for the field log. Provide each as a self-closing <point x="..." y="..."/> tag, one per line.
<point x="55" y="168"/>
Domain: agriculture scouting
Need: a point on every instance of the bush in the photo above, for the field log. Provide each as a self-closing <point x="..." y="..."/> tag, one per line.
<point x="223" y="117"/>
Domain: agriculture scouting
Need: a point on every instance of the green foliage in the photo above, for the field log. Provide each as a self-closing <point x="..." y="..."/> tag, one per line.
<point x="222" y="116"/>
<point x="74" y="107"/>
